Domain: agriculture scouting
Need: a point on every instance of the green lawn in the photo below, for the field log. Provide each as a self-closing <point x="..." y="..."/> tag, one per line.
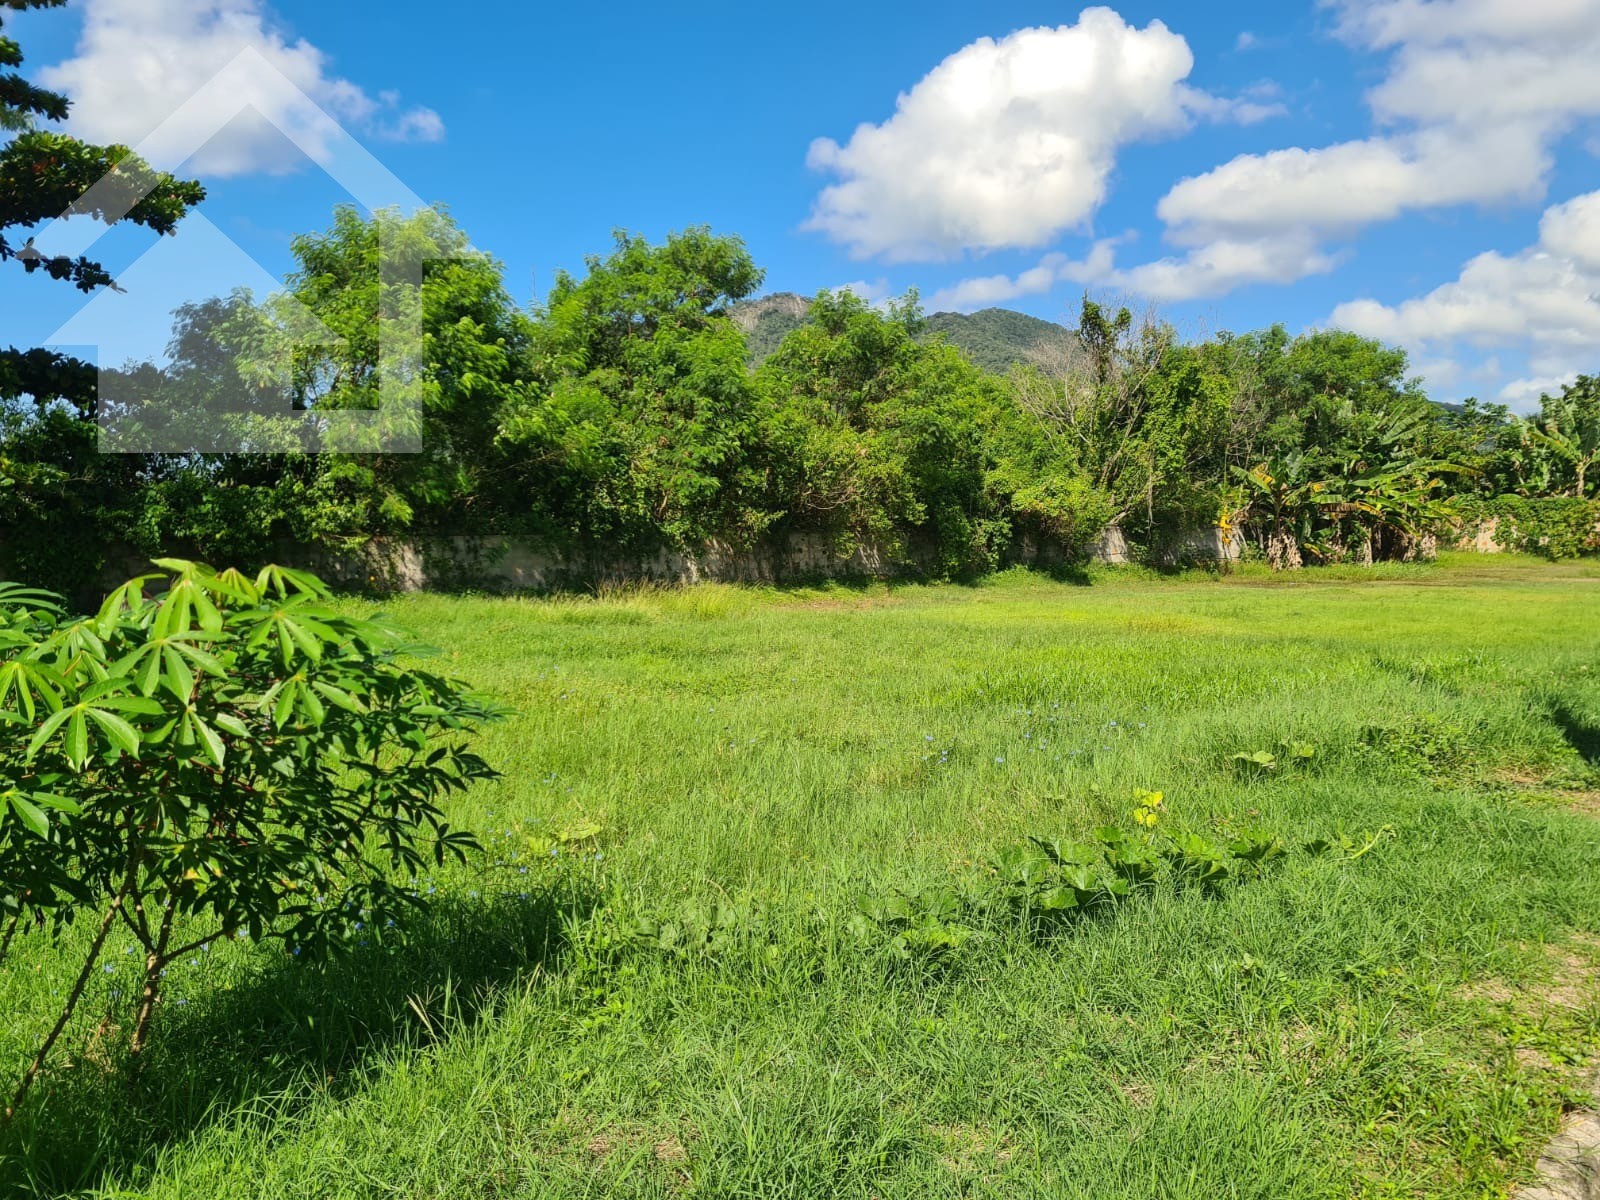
<point x="1402" y="1023"/>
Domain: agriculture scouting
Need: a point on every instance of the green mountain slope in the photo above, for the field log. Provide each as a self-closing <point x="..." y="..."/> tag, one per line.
<point x="995" y="339"/>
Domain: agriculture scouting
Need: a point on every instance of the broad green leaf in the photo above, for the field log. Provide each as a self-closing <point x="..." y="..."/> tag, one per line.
<point x="176" y="675"/>
<point x="77" y="741"/>
<point x="30" y="815"/>
<point x="61" y="803"/>
<point x="285" y="706"/>
<point x="46" y="731"/>
<point x="229" y="723"/>
<point x="210" y="741"/>
<point x="316" y="713"/>
<point x="121" y="734"/>
<point x="338" y="697"/>
<point x="148" y="675"/>
<point x="303" y="637"/>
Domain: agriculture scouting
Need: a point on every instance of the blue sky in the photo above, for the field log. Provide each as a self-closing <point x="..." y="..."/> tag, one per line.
<point x="1420" y="170"/>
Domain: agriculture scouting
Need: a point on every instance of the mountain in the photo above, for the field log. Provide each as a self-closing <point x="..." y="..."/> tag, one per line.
<point x="768" y="320"/>
<point x="995" y="339"/>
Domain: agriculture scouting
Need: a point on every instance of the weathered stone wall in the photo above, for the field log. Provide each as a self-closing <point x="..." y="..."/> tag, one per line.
<point x="1482" y="538"/>
<point x="519" y="564"/>
<point x="515" y="564"/>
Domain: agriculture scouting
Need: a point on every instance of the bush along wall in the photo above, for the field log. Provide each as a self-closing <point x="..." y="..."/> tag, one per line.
<point x="1556" y="527"/>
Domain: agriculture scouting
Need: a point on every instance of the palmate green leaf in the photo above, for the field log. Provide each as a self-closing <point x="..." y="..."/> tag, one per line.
<point x="284" y="582"/>
<point x="30" y="683"/>
<point x="128" y="600"/>
<point x="180" y="657"/>
<point x="233" y="584"/>
<point x="185" y="606"/>
<point x="13" y="595"/>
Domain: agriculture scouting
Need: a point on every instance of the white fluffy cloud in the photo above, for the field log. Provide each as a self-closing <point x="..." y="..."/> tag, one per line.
<point x="138" y="61"/>
<point x="1053" y="269"/>
<point x="874" y="292"/>
<point x="1224" y="264"/>
<point x="1009" y="142"/>
<point x="1544" y="300"/>
<point x="1476" y="95"/>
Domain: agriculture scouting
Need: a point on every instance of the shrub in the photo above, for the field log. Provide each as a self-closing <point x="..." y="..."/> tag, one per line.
<point x="211" y="756"/>
<point x="1555" y="526"/>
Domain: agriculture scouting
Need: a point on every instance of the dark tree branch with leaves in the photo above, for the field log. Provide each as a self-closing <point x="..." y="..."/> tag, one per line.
<point x="47" y="401"/>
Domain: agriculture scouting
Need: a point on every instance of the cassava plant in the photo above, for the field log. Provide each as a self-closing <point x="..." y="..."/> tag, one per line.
<point x="213" y="756"/>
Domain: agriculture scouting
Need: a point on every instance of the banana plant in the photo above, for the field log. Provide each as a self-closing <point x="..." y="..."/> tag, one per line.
<point x="1284" y="499"/>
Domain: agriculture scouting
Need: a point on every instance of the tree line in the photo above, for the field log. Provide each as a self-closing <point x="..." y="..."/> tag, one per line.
<point x="621" y="415"/>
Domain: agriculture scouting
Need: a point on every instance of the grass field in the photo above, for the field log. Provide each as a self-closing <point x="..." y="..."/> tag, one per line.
<point x="1404" y="1023"/>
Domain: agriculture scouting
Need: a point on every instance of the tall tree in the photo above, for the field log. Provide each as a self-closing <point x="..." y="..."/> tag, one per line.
<point x="50" y="474"/>
<point x="642" y="425"/>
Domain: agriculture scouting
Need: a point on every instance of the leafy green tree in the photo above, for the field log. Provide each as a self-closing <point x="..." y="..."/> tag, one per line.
<point x="1144" y="418"/>
<point x="55" y="484"/>
<point x="225" y="389"/>
<point x="881" y="438"/>
<point x="643" y="429"/>
<point x="213" y="755"/>
<point x="1568" y="431"/>
<point x="1319" y="393"/>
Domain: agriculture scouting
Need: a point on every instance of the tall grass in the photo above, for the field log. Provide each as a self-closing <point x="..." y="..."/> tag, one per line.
<point x="1342" y="1027"/>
